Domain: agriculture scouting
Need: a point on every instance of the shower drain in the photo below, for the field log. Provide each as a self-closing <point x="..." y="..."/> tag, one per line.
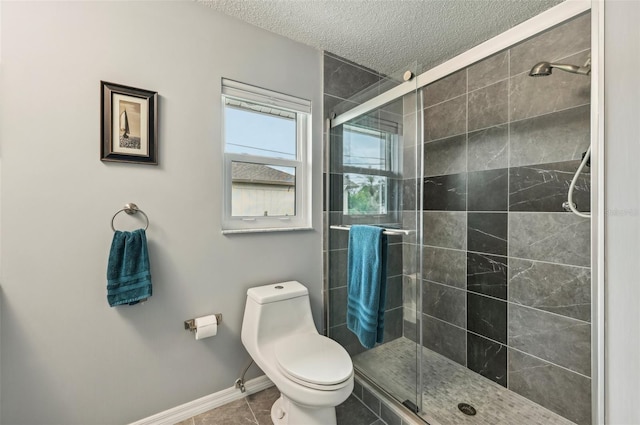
<point x="467" y="409"/>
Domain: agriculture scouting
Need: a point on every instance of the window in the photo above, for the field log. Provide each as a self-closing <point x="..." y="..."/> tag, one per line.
<point x="266" y="168"/>
<point x="371" y="165"/>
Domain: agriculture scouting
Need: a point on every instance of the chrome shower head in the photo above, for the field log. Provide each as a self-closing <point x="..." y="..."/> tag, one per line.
<point x="543" y="69"/>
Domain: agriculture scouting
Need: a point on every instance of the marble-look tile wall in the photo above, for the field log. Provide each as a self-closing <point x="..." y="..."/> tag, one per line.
<point x="506" y="280"/>
<point x="347" y="84"/>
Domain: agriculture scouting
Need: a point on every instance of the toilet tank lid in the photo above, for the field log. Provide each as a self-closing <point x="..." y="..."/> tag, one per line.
<point x="277" y="292"/>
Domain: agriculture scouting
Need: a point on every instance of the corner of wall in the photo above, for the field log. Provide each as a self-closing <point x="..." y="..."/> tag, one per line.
<point x="0" y="32"/>
<point x="0" y="220"/>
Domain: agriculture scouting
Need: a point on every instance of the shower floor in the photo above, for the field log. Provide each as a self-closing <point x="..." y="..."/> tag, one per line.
<point x="446" y="383"/>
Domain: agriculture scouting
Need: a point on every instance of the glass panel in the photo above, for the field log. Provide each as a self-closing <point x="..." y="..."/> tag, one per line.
<point x="259" y="190"/>
<point x="364" y="194"/>
<point x="366" y="147"/>
<point x="370" y="152"/>
<point x="453" y="346"/>
<point x="497" y="333"/>
<point x="259" y="130"/>
<point x="373" y="179"/>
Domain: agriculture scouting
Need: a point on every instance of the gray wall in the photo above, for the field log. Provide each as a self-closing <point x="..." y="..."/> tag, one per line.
<point x="67" y="358"/>
<point x="622" y="211"/>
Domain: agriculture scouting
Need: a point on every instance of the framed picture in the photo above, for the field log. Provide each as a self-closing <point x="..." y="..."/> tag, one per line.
<point x="129" y="124"/>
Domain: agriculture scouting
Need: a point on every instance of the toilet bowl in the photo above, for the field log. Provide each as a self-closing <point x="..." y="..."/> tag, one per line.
<point x="313" y="373"/>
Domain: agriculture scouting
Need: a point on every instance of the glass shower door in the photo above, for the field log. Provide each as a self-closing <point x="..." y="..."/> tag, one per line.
<point x="375" y="159"/>
<point x="489" y="297"/>
<point x="506" y="324"/>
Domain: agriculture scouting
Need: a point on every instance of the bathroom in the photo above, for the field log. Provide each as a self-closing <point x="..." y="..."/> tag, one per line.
<point x="65" y="356"/>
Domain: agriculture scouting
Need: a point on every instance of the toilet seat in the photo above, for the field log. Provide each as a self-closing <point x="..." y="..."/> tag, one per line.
<point x="314" y="361"/>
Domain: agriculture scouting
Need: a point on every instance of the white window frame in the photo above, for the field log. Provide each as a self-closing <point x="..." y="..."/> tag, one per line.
<point x="387" y="129"/>
<point x="302" y="163"/>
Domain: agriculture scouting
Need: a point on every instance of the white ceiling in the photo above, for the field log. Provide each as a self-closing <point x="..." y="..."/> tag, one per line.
<point x="386" y="35"/>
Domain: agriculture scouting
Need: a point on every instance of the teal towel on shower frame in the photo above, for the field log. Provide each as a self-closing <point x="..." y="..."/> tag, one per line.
<point x="128" y="272"/>
<point x="367" y="283"/>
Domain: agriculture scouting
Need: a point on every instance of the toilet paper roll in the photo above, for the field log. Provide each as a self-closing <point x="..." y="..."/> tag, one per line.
<point x="206" y="326"/>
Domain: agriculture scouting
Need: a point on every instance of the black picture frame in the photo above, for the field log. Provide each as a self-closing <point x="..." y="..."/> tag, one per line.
<point x="128" y="124"/>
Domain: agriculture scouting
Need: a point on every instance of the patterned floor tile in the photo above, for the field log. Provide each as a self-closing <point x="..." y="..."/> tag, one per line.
<point x="234" y="413"/>
<point x="446" y="384"/>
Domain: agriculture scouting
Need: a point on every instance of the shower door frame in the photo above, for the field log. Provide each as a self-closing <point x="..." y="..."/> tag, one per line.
<point x="542" y="22"/>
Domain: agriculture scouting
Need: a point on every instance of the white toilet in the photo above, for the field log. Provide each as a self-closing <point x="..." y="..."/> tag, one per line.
<point x="313" y="373"/>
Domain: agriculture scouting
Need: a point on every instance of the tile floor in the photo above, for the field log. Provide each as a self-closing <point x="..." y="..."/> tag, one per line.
<point x="255" y="409"/>
<point x="445" y="384"/>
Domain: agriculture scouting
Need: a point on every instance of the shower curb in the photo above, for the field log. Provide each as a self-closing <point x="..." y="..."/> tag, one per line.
<point x="402" y="412"/>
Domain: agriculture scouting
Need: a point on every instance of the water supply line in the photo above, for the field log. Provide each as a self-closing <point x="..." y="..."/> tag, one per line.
<point x="240" y="381"/>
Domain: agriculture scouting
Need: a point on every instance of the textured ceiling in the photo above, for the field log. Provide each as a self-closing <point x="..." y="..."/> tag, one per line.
<point x="386" y="35"/>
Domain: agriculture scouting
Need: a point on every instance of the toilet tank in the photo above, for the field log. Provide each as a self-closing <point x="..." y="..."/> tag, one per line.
<point x="274" y="311"/>
<point x="277" y="292"/>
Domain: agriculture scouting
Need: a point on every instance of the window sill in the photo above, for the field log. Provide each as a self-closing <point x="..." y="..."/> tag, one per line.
<point x="281" y="229"/>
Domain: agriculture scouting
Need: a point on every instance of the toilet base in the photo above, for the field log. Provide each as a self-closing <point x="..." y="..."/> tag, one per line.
<point x="286" y="412"/>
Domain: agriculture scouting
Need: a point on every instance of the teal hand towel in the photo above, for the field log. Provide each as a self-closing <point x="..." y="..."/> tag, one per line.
<point x="367" y="283"/>
<point x="128" y="272"/>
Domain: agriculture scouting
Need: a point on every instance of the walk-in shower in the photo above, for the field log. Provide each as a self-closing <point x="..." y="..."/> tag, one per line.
<point x="489" y="285"/>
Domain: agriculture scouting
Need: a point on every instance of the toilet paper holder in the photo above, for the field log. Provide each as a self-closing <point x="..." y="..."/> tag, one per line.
<point x="190" y="324"/>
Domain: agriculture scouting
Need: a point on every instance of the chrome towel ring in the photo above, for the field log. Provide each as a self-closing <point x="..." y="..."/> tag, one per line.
<point x="130" y="209"/>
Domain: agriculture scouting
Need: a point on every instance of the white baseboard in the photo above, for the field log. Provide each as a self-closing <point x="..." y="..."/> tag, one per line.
<point x="206" y="403"/>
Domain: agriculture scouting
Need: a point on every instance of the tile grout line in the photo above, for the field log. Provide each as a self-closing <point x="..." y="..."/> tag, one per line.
<point x="501" y="343"/>
<point x="508" y="257"/>
<point x="548" y="362"/>
<point x="509" y="302"/>
<point x="510" y="122"/>
<point x="255" y="418"/>
<point x="568" y="108"/>
<point x="466" y="236"/>
<point x="536" y="167"/>
<point x="506" y="372"/>
<point x="361" y="400"/>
